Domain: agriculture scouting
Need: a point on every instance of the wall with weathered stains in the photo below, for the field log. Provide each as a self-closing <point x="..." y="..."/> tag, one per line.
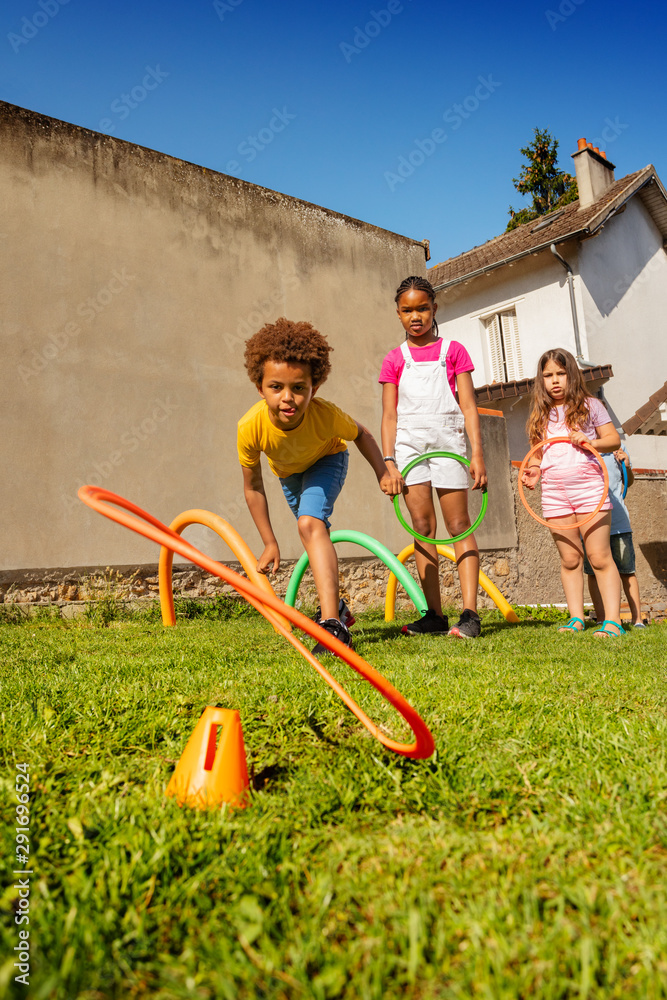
<point x="129" y="281"/>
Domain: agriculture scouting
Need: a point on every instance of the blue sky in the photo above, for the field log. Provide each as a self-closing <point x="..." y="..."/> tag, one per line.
<point x="408" y="114"/>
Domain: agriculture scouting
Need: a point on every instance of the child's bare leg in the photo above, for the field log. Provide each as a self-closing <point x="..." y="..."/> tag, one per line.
<point x="631" y="591"/>
<point x="598" y="550"/>
<point x="454" y="504"/>
<point x="571" y="555"/>
<point x="323" y="562"/>
<point x="419" y="501"/>
<point x="594" y="591"/>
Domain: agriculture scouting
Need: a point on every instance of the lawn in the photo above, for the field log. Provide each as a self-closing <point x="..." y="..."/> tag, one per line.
<point x="525" y="859"/>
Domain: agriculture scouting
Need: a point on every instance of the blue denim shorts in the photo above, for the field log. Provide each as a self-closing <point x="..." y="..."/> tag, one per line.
<point x="623" y="553"/>
<point x="313" y="493"/>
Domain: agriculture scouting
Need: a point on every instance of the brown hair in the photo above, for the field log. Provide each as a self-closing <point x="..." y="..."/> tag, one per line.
<point x="293" y="343"/>
<point x="576" y="394"/>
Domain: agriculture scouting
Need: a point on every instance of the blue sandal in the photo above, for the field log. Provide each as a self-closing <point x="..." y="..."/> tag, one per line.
<point x="603" y="630"/>
<point x="569" y="625"/>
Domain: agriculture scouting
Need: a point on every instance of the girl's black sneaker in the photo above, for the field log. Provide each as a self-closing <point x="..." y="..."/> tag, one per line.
<point x="344" y="614"/>
<point x="430" y="624"/>
<point x="469" y="626"/>
<point x="336" y="629"/>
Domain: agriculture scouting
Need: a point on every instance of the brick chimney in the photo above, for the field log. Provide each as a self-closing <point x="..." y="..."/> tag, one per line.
<point x="594" y="172"/>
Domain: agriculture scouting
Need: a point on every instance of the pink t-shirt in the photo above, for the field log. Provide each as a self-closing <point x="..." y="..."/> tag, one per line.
<point x="458" y="360"/>
<point x="565" y="456"/>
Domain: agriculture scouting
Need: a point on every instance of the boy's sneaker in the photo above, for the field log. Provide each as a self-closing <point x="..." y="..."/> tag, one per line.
<point x="344" y="614"/>
<point x="336" y="629"/>
<point x="469" y="626"/>
<point x="430" y="624"/>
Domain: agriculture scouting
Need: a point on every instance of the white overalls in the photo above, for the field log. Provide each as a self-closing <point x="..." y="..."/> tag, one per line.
<point x="429" y="419"/>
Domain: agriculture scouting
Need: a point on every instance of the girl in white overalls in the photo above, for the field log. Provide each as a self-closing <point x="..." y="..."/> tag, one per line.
<point x="420" y="413"/>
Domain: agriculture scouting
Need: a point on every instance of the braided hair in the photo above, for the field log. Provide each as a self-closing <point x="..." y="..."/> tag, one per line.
<point x="421" y="285"/>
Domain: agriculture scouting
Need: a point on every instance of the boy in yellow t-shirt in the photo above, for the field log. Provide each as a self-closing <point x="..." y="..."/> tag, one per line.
<point x="303" y="439"/>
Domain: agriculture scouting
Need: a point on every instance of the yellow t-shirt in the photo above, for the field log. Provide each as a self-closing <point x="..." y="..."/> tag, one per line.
<point x="323" y="431"/>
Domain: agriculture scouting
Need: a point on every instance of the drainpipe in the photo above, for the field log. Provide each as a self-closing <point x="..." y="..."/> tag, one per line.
<point x="575" y="322"/>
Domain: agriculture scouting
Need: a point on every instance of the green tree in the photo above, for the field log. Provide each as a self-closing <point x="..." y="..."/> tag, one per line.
<point x="541" y="178"/>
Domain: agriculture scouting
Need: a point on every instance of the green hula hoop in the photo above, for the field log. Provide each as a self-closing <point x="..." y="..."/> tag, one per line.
<point x="439" y="541"/>
<point x="379" y="550"/>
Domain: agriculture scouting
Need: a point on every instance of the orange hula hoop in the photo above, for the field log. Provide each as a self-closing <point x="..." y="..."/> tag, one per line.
<point x="136" y="519"/>
<point x="564" y="440"/>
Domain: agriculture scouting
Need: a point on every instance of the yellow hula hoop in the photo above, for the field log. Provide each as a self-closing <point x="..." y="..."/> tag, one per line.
<point x="501" y="602"/>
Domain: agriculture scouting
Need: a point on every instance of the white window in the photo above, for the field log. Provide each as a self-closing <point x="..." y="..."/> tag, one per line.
<point x="502" y="339"/>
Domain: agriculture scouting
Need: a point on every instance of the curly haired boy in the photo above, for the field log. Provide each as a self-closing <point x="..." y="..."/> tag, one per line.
<point x="303" y="438"/>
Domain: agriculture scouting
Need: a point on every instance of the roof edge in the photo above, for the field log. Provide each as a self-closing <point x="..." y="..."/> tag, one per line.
<point x="645" y="412"/>
<point x="531" y="252"/>
<point x="644" y="177"/>
<point x="518" y="388"/>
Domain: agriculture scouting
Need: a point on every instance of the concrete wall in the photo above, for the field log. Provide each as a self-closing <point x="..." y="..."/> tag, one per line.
<point x="538" y="576"/>
<point x="129" y="282"/>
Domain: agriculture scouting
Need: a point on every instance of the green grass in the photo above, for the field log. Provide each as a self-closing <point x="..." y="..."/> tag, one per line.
<point x="525" y="859"/>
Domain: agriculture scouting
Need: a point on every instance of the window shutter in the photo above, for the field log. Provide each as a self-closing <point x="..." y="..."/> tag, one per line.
<point x="510" y="333"/>
<point x="495" y="349"/>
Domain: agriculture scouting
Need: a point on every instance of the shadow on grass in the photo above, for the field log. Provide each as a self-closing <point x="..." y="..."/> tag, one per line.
<point x="267" y="776"/>
<point x="317" y="729"/>
<point x="365" y="633"/>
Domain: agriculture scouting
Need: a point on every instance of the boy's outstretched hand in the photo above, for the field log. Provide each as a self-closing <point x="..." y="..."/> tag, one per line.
<point x="269" y="561"/>
<point x="392" y="482"/>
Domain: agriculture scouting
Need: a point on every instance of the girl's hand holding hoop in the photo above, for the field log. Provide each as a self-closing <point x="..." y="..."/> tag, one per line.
<point x="579" y="439"/>
<point x="455" y="538"/>
<point x="478" y="472"/>
<point x="524" y="471"/>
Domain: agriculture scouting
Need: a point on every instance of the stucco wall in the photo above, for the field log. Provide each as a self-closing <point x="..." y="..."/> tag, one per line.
<point x="624" y="282"/>
<point x="538" y="579"/>
<point x="129" y="282"/>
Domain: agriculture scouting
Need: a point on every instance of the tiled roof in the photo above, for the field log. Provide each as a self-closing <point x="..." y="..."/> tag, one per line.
<point x="523" y="387"/>
<point x="646" y="411"/>
<point x="565" y="223"/>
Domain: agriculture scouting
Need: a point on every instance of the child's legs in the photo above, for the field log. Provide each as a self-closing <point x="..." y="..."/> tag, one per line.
<point x="623" y="552"/>
<point x="419" y="501"/>
<point x="631" y="591"/>
<point x="598" y="550"/>
<point x="318" y="489"/>
<point x="596" y="598"/>
<point x="454" y="504"/>
<point x="316" y="541"/>
<point x="571" y="554"/>
<point x="593" y="588"/>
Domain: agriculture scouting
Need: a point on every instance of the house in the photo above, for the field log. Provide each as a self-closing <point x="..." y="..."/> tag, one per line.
<point x="590" y="277"/>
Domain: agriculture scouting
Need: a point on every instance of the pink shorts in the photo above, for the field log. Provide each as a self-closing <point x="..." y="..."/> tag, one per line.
<point x="573" y="491"/>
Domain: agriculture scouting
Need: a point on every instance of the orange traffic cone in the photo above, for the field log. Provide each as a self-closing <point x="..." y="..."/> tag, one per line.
<point x="206" y="776"/>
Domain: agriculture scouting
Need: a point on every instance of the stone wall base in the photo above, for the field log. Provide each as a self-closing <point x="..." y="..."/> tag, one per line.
<point x="527" y="574"/>
<point x="362" y="581"/>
